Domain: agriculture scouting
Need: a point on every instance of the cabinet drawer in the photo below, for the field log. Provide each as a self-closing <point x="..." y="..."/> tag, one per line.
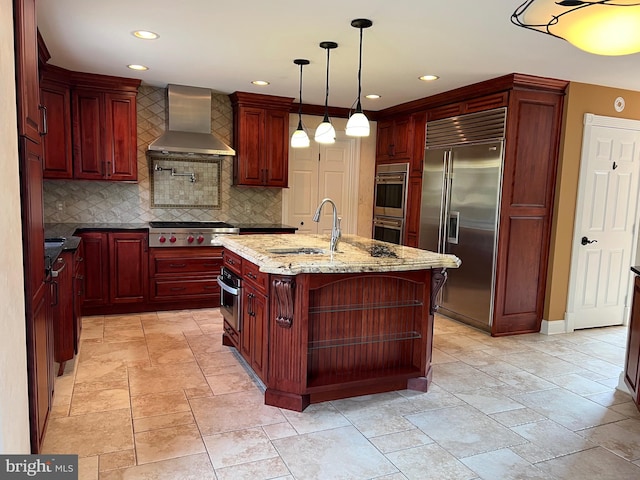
<point x="251" y="273"/>
<point x="179" y="289"/>
<point x="231" y="333"/>
<point x="177" y="265"/>
<point x="232" y="261"/>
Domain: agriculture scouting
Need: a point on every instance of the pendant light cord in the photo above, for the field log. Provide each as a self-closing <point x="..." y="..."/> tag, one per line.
<point x="300" y="106"/>
<point x="359" y="106"/>
<point x="326" y="97"/>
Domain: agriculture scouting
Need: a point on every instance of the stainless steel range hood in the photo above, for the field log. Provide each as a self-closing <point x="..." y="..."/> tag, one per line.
<point x="189" y="125"/>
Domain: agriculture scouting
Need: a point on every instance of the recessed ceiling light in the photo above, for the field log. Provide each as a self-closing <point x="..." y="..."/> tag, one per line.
<point x="428" y="78"/>
<point x="372" y="96"/>
<point x="137" y="67"/>
<point x="145" y="34"/>
<point x="260" y="83"/>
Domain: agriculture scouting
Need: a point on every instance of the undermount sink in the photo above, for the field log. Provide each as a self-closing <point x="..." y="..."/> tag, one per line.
<point x="298" y="251"/>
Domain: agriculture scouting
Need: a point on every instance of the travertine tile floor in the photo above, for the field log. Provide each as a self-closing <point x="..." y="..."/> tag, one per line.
<point x="156" y="396"/>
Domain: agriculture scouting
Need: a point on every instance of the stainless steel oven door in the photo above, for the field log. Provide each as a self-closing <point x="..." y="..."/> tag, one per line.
<point x="388" y="229"/>
<point x="391" y="190"/>
<point x="231" y="298"/>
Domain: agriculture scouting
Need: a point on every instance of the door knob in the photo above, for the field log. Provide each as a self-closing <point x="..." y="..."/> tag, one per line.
<point x="586" y="241"/>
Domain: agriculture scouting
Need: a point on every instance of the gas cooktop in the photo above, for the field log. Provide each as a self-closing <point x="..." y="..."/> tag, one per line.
<point x="196" y="225"/>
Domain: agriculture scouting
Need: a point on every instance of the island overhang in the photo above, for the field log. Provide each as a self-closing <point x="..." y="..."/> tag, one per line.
<point x="355" y="254"/>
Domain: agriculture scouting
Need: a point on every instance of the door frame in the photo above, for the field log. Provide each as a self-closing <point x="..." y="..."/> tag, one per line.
<point x="592" y="120"/>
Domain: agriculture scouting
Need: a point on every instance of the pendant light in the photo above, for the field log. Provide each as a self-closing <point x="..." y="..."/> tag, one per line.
<point x="358" y="124"/>
<point x="325" y="133"/>
<point x="300" y="139"/>
<point x="604" y="27"/>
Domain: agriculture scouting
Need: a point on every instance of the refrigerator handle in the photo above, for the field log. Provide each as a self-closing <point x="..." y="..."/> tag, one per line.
<point x="446" y="192"/>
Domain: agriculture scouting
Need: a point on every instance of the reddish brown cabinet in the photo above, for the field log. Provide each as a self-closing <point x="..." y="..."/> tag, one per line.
<point x="37" y="297"/>
<point x="55" y="95"/>
<point x="104" y="135"/>
<point x="632" y="360"/>
<point x="26" y="64"/>
<point x="185" y="274"/>
<point x="129" y="267"/>
<point x="116" y="269"/>
<point x="62" y="302"/>
<point x="394" y="139"/>
<point x="261" y="139"/>
<point x="253" y="336"/>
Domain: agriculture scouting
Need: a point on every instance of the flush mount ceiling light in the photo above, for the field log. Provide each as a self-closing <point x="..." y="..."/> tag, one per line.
<point x="140" y="68"/>
<point x="325" y="133"/>
<point x="145" y="34"/>
<point x="358" y="124"/>
<point x="428" y="78"/>
<point x="372" y="96"/>
<point x="300" y="139"/>
<point x="601" y="27"/>
<point x="260" y="83"/>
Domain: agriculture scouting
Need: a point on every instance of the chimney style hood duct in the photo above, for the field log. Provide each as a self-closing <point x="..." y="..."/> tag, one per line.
<point x="189" y="127"/>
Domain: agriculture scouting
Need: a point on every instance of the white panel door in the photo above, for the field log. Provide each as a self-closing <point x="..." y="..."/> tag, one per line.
<point x="604" y="227"/>
<point x="318" y="172"/>
<point x="301" y="197"/>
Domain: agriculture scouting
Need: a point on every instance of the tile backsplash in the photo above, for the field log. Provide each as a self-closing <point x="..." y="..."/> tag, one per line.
<point x="82" y="201"/>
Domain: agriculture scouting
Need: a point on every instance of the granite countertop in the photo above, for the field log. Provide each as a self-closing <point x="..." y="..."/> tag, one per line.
<point x="355" y="254"/>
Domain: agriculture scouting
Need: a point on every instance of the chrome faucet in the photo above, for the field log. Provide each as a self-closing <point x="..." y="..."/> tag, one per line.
<point x="335" y="230"/>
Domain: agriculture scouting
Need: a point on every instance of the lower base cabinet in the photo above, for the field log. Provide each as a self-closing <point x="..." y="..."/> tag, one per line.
<point x="116" y="270"/>
<point x="62" y="302"/>
<point x="40" y="352"/>
<point x="632" y="361"/>
<point x="185" y="274"/>
<point x="253" y="338"/>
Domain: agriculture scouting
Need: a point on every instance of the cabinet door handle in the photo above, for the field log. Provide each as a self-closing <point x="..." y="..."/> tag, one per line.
<point x="177" y="289"/>
<point x="54" y="286"/>
<point x="45" y="123"/>
<point x="251" y="276"/>
<point x="210" y="287"/>
<point x="177" y="265"/>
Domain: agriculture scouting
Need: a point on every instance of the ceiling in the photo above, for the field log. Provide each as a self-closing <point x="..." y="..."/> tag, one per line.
<point x="224" y="45"/>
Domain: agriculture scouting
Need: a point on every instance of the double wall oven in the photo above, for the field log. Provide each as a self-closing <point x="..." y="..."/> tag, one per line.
<point x="389" y="212"/>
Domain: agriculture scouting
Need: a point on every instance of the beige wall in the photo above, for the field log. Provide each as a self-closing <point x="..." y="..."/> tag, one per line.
<point x="14" y="402"/>
<point x="581" y="98"/>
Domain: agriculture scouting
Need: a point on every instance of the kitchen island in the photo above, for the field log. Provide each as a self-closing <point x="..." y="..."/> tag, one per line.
<point x="318" y="325"/>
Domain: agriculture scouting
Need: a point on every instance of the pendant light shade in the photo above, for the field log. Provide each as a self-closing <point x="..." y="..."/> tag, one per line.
<point x="300" y="139"/>
<point x="358" y="124"/>
<point x="325" y="133"/>
<point x="604" y="27"/>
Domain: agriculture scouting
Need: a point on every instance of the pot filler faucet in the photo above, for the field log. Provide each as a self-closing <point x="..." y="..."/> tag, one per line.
<point x="335" y="230"/>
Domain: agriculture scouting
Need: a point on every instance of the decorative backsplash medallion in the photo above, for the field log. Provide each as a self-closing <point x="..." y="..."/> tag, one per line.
<point x="184" y="182"/>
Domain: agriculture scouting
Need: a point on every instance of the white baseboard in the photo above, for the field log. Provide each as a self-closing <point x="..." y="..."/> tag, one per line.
<point x="554" y="327"/>
<point x="621" y="385"/>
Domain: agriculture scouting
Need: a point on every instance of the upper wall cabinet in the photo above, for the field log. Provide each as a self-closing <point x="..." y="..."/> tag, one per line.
<point x="261" y="139"/>
<point x="393" y="140"/>
<point x="55" y="96"/>
<point x="92" y="132"/>
<point x="26" y="47"/>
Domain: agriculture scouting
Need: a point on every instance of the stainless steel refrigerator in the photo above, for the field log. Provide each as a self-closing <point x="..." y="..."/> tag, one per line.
<point x="461" y="188"/>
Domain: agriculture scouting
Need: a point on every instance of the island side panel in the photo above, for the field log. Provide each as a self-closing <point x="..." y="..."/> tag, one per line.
<point x="287" y="343"/>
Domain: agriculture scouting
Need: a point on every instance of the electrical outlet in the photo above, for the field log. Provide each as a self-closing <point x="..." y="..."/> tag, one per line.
<point x="60" y="206"/>
<point x="247" y="208"/>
